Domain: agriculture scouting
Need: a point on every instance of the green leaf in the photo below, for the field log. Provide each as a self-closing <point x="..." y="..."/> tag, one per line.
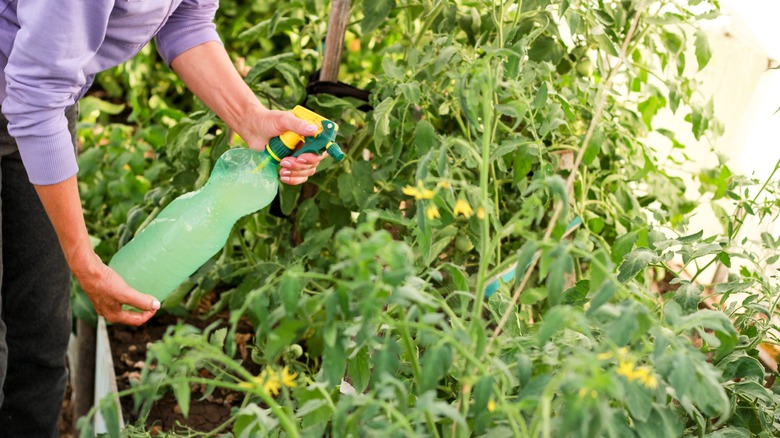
<point x="283" y="335"/>
<point x="288" y="197"/>
<point x="81" y="306"/>
<point x="627" y="325"/>
<point x="334" y="362"/>
<point x="541" y="96"/>
<point x="594" y="147"/>
<point x="181" y="390"/>
<point x="663" y="422"/>
<point x="252" y="421"/>
<point x="395" y="71"/>
<point x="554" y="320"/>
<point x="601" y="268"/>
<point x="557" y="186"/>
<point x="639" y="403"/>
<point x="623" y="246"/>
<point x="424" y="137"/>
<point x="314" y="243"/>
<point x="110" y="412"/>
<point x="359" y="371"/>
<point x="445" y="60"/>
<point x="603" y="295"/>
<point x="435" y="363"/>
<point x="730" y="432"/>
<point x="290" y="289"/>
<point x="217" y="338"/>
<point x="739" y="365"/>
<point x="768" y="240"/>
<point x="703" y="53"/>
<point x="91" y="107"/>
<point x="649" y="108"/>
<point x="691" y="237"/>
<point x="563" y="265"/>
<point x="374" y="13"/>
<point x="635" y="262"/>
<point x="382" y="118"/>
<point x="688" y="296"/>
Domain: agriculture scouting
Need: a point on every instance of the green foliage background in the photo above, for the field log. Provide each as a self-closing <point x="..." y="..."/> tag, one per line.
<point x="534" y="113"/>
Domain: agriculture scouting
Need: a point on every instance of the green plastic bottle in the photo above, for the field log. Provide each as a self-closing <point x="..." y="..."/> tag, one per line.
<point x="196" y="225"/>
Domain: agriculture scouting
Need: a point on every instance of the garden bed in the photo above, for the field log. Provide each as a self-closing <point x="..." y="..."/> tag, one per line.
<point x="128" y="347"/>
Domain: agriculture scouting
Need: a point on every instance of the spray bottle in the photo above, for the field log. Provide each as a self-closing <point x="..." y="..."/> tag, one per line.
<point x="196" y="225"/>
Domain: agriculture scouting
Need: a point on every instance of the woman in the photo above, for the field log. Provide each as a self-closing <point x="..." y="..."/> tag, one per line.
<point x="50" y="51"/>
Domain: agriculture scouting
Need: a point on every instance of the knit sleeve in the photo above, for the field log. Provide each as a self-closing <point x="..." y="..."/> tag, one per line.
<point x="190" y="25"/>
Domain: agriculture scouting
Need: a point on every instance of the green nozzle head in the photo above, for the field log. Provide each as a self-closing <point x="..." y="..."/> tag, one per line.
<point x="324" y="141"/>
<point x="335" y="151"/>
<point x="277" y="149"/>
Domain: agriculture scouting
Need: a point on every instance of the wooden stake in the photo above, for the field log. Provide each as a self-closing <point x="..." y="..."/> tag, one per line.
<point x="84" y="387"/>
<point x="334" y="41"/>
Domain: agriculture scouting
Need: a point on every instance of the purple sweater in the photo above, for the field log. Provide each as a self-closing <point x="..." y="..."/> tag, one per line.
<point x="50" y="51"/>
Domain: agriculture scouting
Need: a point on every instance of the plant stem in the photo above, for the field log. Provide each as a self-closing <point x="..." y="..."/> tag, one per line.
<point x="601" y="101"/>
<point x="403" y="328"/>
<point x="740" y="214"/>
<point x="488" y="96"/>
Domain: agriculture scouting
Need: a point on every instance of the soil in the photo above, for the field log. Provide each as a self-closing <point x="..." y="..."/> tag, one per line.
<point x="128" y="347"/>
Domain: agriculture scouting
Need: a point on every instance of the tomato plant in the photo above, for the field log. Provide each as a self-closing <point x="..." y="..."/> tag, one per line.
<point x="505" y="138"/>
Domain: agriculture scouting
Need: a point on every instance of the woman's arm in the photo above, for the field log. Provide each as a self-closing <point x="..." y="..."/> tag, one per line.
<point x="206" y="69"/>
<point x="104" y="287"/>
<point x="44" y="75"/>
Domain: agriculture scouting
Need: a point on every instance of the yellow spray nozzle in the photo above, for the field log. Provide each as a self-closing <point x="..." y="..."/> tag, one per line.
<point x="309" y="116"/>
<point x="323" y="140"/>
<point x="291" y="139"/>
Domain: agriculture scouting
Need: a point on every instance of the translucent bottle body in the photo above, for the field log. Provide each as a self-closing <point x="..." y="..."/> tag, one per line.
<point x="196" y="225"/>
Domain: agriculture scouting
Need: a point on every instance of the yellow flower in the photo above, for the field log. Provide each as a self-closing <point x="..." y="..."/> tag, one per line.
<point x="480" y="213"/>
<point x="582" y="392"/>
<point x="491" y="406"/>
<point x="268" y="379"/>
<point x="409" y="191"/>
<point x="646" y="377"/>
<point x="443" y="184"/>
<point x="643" y="374"/>
<point x="418" y="192"/>
<point x="593" y="393"/>
<point x="432" y="213"/>
<point x="463" y="207"/>
<point x="604" y="356"/>
<point x="270" y="382"/>
<point x="650" y="382"/>
<point x="626" y="369"/>
<point x="288" y="378"/>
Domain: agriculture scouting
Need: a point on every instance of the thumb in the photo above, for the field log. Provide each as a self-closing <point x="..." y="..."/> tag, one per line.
<point x="140" y="301"/>
<point x="299" y="126"/>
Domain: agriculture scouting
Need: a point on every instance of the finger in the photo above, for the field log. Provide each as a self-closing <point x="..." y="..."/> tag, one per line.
<point x="129" y="317"/>
<point x="302" y="172"/>
<point x="309" y="158"/>
<point x="305" y="161"/>
<point x="297" y="173"/>
<point x="293" y="180"/>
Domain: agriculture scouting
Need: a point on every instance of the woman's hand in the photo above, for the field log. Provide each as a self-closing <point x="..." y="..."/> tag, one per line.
<point x="108" y="292"/>
<point x="267" y="124"/>
<point x="296" y="170"/>
<point x="208" y="72"/>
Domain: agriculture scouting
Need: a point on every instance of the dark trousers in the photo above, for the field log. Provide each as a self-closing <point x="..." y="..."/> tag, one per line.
<point x="35" y="318"/>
